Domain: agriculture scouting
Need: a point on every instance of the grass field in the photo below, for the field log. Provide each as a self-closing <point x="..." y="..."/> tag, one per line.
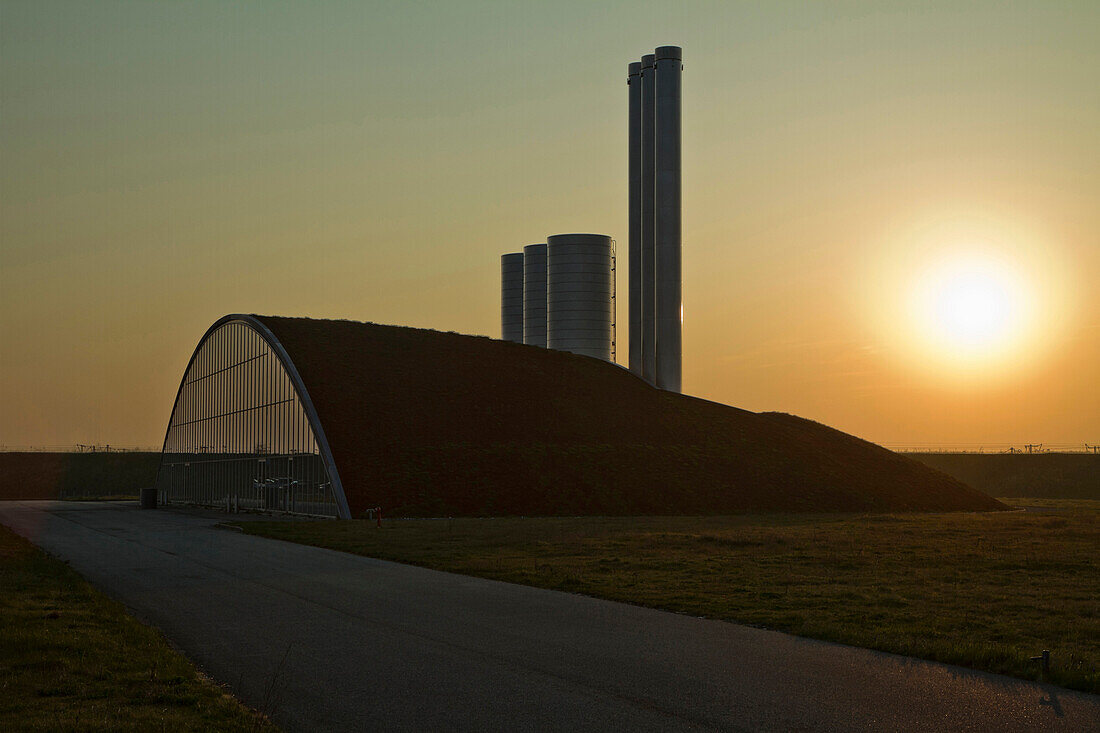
<point x="984" y="590"/>
<point x="72" y="660"/>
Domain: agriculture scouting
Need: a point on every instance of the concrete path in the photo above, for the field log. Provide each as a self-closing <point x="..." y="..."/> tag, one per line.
<point x="329" y="641"/>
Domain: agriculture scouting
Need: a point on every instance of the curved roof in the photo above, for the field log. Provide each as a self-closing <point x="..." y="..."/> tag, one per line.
<point x="425" y="422"/>
<point x="287" y="364"/>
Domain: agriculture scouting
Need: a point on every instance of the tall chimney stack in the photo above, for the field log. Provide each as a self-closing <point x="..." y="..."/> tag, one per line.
<point x="634" y="206"/>
<point x="648" y="281"/>
<point x="669" y="303"/>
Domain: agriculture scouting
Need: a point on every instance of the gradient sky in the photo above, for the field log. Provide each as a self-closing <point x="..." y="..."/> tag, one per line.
<point x="164" y="164"/>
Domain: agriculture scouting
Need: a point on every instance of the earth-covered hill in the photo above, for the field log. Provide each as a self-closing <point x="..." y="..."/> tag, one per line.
<point x="441" y="424"/>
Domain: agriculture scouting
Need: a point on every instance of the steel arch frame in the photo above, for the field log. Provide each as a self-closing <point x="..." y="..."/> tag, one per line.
<point x="343" y="512"/>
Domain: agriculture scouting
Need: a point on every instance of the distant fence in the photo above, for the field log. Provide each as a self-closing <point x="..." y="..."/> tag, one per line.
<point x="992" y="448"/>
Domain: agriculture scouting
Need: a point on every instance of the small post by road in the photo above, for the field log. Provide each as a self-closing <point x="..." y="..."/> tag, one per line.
<point x="1044" y="660"/>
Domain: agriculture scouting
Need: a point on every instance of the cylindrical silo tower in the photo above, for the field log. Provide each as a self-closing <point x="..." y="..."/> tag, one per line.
<point x="511" y="297"/>
<point x="534" y="295"/>
<point x="669" y="304"/>
<point x="634" y="208"/>
<point x="647" y="229"/>
<point x="580" y="290"/>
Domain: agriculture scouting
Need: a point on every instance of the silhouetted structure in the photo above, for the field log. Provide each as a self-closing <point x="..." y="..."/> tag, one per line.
<point x="667" y="279"/>
<point x="654" y="243"/>
<point x="656" y="312"/>
<point x="244" y="433"/>
<point x="580" y="294"/>
<point x="568" y="295"/>
<point x="511" y="297"/>
<point x="647" y="226"/>
<point x="337" y="417"/>
<point x="534" y="294"/>
<point x="634" y="214"/>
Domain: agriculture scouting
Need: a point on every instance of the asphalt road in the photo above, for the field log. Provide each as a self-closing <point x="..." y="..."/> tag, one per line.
<point x="323" y="640"/>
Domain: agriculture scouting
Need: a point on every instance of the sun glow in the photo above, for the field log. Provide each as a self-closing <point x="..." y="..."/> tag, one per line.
<point x="965" y="301"/>
<point x="971" y="306"/>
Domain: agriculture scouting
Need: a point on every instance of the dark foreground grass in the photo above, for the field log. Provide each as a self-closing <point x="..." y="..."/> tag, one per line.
<point x="72" y="659"/>
<point x="986" y="590"/>
<point x="106" y="497"/>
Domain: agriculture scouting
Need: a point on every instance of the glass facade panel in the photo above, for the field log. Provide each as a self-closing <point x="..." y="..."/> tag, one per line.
<point x="239" y="437"/>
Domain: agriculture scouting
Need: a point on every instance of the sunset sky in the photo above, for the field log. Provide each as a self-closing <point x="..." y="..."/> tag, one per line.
<point x="891" y="210"/>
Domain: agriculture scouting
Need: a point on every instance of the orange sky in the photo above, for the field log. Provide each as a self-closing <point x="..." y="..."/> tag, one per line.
<point x="166" y="164"/>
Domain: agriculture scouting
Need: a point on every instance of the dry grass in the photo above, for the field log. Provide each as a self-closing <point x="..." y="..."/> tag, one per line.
<point x="73" y="660"/>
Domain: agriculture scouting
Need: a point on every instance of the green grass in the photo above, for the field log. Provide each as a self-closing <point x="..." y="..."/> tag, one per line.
<point x="985" y="590"/>
<point x="71" y="659"/>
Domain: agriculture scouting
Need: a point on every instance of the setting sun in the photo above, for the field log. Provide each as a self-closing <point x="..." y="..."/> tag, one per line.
<point x="976" y="300"/>
<point x="971" y="306"/>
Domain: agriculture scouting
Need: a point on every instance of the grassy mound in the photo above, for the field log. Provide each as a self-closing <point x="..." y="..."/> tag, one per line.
<point x="428" y="423"/>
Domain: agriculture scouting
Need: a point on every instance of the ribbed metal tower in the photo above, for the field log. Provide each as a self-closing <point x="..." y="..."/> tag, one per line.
<point x="648" y="282"/>
<point x="511" y="297"/>
<point x="669" y="303"/>
<point x="534" y="295"/>
<point x="580" y="288"/>
<point x="634" y="199"/>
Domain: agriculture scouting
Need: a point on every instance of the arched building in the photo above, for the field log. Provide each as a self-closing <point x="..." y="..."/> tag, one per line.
<point x="244" y="432"/>
<point x="332" y="418"/>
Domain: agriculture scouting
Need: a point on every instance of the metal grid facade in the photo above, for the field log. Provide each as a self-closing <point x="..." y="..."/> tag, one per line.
<point x="240" y="437"/>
